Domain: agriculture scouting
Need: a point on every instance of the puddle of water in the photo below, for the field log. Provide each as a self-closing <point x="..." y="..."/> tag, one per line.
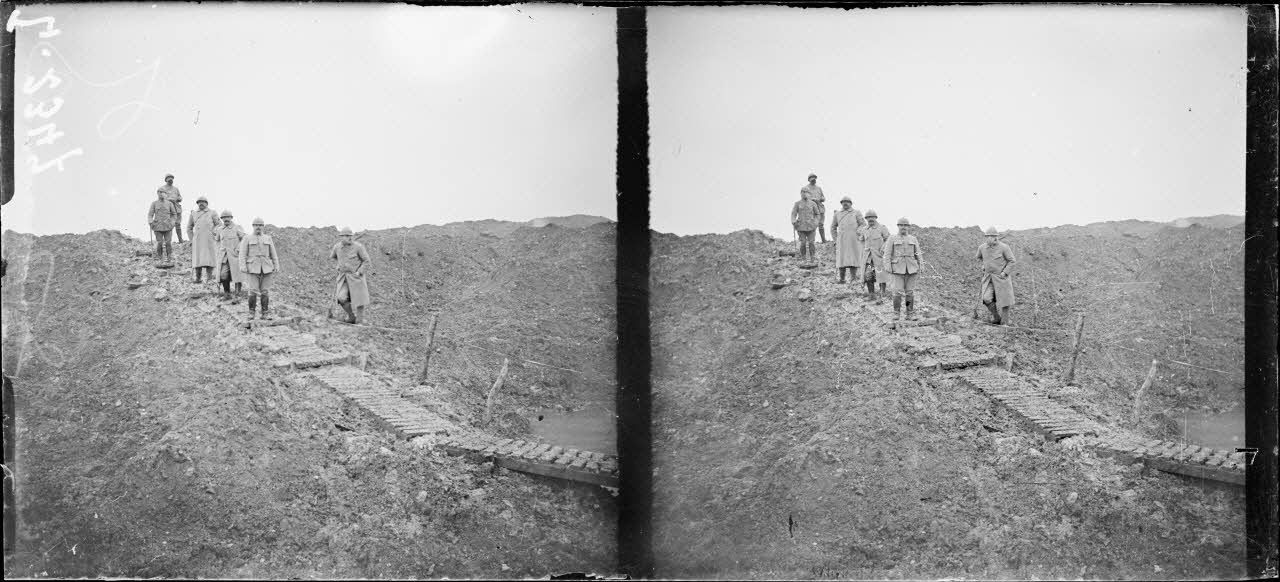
<point x="589" y="429"/>
<point x="1221" y="431"/>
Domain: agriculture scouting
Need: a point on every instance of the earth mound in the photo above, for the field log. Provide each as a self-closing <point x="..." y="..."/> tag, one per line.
<point x="155" y="440"/>
<point x="792" y="443"/>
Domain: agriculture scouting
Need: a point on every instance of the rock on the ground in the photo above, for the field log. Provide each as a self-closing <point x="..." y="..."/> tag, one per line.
<point x="806" y="295"/>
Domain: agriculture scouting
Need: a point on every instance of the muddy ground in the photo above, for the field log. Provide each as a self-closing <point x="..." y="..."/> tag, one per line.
<point x="153" y="442"/>
<point x="793" y="442"/>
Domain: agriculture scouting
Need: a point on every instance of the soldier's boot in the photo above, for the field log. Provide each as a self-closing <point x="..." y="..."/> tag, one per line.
<point x="911" y="306"/>
<point x="897" y="306"/>
<point x="253" y="305"/>
<point x="871" y="289"/>
<point x="198" y="272"/>
<point x="1004" y="316"/>
<point x="822" y="232"/>
<point x="346" y="306"/>
<point x="995" y="315"/>
<point x="359" y="315"/>
<point x="813" y="252"/>
<point x="266" y="308"/>
<point x="803" y="249"/>
<point x="842" y="273"/>
<point x="226" y="289"/>
<point x="239" y="293"/>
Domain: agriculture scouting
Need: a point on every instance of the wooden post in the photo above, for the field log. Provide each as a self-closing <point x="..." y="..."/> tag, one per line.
<point x="431" y="343"/>
<point x="488" y="404"/>
<point x="1075" y="349"/>
<point x="1142" y="390"/>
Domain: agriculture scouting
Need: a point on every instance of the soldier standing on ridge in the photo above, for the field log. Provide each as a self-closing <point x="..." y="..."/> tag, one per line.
<point x="259" y="261"/>
<point x="845" y="231"/>
<point x="902" y="253"/>
<point x="996" y="289"/>
<point x="204" y="250"/>
<point x="805" y="218"/>
<point x="816" y="195"/>
<point x="161" y="217"/>
<point x="351" y="288"/>
<point x="228" y="236"/>
<point x="874" y="235"/>
<point x="171" y="192"/>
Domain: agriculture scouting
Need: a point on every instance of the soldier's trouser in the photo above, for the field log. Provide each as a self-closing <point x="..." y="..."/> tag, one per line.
<point x="178" y="207"/>
<point x="258" y="283"/>
<point x="903" y="284"/>
<point x="164" y="244"/>
<point x="822" y="231"/>
<point x="208" y="270"/>
<point x="806" y="244"/>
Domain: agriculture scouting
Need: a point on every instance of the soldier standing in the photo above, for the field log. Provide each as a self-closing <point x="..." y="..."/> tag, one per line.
<point x="161" y="217"/>
<point x="174" y="196"/>
<point x="902" y="254"/>
<point x="228" y="236"/>
<point x="259" y="262"/>
<point x="996" y="289"/>
<point x="874" y="235"/>
<point x="351" y="288"/>
<point x="845" y="231"/>
<point x="204" y="250"/>
<point x="820" y="199"/>
<point x="805" y="218"/>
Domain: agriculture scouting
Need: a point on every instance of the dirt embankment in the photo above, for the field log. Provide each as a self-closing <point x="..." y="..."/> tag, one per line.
<point x="155" y="441"/>
<point x="791" y="443"/>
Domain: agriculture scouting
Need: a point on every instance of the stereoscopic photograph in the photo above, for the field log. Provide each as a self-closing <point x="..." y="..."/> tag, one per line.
<point x="311" y="291"/>
<point x="948" y="292"/>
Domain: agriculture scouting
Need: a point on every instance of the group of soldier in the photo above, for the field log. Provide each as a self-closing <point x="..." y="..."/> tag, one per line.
<point x="248" y="261"/>
<point x="873" y="256"/>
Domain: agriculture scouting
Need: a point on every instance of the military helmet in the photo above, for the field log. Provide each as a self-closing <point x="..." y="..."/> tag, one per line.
<point x="904" y="222"/>
<point x="344" y="232"/>
<point x="202" y="199"/>
<point x="259" y="222"/>
<point x="872" y="214"/>
<point x="812" y="175"/>
<point x="226" y="214"/>
<point x="846" y="199"/>
<point x="991" y="231"/>
<point x="168" y="175"/>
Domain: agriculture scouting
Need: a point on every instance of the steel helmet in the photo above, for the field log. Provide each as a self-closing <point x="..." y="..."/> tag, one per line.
<point x="992" y="231"/>
<point x="226" y="214"/>
<point x="813" y="175"/>
<point x="847" y="199"/>
<point x="872" y="214"/>
<point x="904" y="222"/>
<point x="344" y="232"/>
<point x="202" y="199"/>
<point x="259" y="222"/>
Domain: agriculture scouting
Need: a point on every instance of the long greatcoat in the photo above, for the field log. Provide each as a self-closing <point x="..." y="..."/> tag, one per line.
<point x="349" y="259"/>
<point x="845" y="226"/>
<point x="995" y="259"/>
<point x="228" y="240"/>
<point x="204" y="250"/>
<point x="873" y="239"/>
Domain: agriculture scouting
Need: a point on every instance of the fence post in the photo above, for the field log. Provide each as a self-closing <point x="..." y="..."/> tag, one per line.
<point x="431" y="342"/>
<point x="1075" y="348"/>
<point x="1142" y="390"/>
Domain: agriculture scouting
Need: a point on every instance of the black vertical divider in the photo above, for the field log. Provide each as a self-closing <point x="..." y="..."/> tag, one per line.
<point x="635" y="556"/>
<point x="1260" y="281"/>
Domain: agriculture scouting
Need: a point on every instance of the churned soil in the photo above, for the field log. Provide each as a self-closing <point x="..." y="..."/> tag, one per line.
<point x="155" y="441"/>
<point x="793" y="439"/>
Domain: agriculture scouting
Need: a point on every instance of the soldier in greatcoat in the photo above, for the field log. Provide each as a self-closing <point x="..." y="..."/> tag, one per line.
<point x="874" y="236"/>
<point x="161" y="217"/>
<point x="996" y="289"/>
<point x="175" y="196"/>
<point x="845" y="225"/>
<point x="805" y="218"/>
<point x="351" y="289"/>
<point x="259" y="262"/>
<point x="902" y="254"/>
<point x="204" y="250"/>
<point x="820" y="200"/>
<point x="228" y="236"/>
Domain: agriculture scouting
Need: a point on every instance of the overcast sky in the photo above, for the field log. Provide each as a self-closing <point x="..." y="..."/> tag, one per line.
<point x="1012" y="116"/>
<point x="371" y="116"/>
